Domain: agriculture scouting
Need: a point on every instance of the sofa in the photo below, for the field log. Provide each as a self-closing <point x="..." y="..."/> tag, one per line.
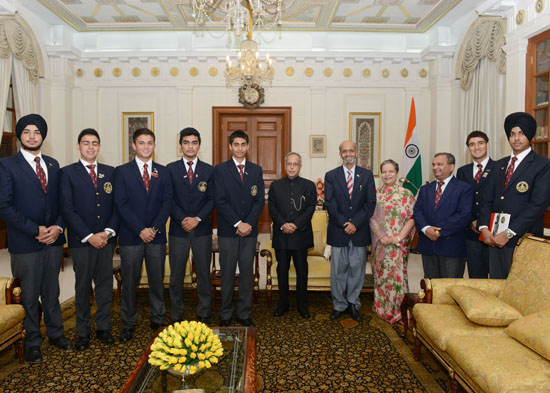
<point x="12" y="315"/>
<point x="492" y="336"/>
<point x="318" y="261"/>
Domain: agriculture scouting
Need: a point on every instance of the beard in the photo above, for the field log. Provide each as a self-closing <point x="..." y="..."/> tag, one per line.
<point x="30" y="148"/>
<point x="349" y="160"/>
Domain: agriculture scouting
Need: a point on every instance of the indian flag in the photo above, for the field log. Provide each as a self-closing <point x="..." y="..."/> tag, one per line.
<point x="412" y="163"/>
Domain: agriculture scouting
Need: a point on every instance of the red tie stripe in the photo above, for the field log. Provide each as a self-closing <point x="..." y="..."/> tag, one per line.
<point x="350" y="184"/>
<point x="190" y="171"/>
<point x="92" y="174"/>
<point x="509" y="171"/>
<point x="241" y="167"/>
<point x="41" y="174"/>
<point x="477" y="177"/>
<point x="438" y="192"/>
<point x="146" y="178"/>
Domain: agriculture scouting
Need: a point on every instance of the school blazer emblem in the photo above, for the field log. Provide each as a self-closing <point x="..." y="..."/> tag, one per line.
<point x="108" y="187"/>
<point x="522" y="186"/>
<point x="254" y="190"/>
<point x="202" y="186"/>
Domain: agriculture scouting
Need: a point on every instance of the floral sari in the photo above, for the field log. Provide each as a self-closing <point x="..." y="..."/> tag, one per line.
<point x="394" y="207"/>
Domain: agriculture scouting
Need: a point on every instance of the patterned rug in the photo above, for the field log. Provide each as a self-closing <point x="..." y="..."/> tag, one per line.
<point x="294" y="355"/>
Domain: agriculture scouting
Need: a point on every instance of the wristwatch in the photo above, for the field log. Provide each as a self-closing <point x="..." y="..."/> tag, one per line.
<point x="509" y="234"/>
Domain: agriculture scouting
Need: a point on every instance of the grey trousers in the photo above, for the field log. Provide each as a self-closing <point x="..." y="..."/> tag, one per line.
<point x="91" y="264"/>
<point x="202" y="256"/>
<point x="131" y="258"/>
<point x="233" y="251"/>
<point x="500" y="262"/>
<point x="347" y="275"/>
<point x="39" y="275"/>
<point x="437" y="266"/>
<point x="477" y="259"/>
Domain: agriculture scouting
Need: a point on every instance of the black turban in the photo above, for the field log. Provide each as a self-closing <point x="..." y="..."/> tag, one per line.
<point x="522" y="120"/>
<point x="32" y="119"/>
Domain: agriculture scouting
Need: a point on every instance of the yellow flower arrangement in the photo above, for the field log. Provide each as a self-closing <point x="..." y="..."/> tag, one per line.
<point x="186" y="344"/>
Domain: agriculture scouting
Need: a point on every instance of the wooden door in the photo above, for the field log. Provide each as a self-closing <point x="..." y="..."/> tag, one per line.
<point x="269" y="136"/>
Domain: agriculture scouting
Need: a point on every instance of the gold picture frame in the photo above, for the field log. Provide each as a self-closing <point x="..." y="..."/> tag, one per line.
<point x="365" y="131"/>
<point x="317" y="146"/>
<point x="132" y="121"/>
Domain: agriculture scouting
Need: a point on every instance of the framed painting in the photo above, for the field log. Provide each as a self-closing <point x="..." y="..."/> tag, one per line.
<point x="317" y="146"/>
<point x="364" y="130"/>
<point x="132" y="121"/>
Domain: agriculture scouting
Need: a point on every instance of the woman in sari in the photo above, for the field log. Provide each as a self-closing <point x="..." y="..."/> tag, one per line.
<point x="392" y="227"/>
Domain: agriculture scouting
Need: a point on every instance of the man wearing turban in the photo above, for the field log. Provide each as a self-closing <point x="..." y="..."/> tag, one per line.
<point x="520" y="187"/>
<point x="28" y="204"/>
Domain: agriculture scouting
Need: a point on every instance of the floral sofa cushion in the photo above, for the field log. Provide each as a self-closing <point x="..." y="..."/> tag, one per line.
<point x="10" y="316"/>
<point x="440" y="322"/>
<point x="500" y="364"/>
<point x="533" y="331"/>
<point x="483" y="308"/>
<point x="527" y="287"/>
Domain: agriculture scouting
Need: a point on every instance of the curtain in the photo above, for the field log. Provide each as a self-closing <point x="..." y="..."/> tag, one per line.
<point x="5" y="75"/>
<point x="25" y="90"/>
<point x="482" y="107"/>
<point x="481" y="66"/>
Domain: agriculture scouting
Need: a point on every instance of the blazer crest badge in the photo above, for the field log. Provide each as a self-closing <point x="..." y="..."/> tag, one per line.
<point x="108" y="187"/>
<point x="522" y="186"/>
<point x="202" y="186"/>
<point x="254" y="190"/>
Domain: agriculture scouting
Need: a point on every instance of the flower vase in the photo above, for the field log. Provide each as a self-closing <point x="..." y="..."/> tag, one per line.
<point x="183" y="373"/>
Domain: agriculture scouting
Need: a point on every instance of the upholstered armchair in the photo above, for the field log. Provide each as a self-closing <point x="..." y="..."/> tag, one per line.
<point x="12" y="315"/>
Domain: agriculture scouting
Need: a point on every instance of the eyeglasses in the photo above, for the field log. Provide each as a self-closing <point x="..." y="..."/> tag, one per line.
<point x="293" y="164"/>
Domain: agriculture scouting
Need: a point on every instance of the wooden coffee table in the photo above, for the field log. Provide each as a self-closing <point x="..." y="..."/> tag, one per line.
<point x="235" y="372"/>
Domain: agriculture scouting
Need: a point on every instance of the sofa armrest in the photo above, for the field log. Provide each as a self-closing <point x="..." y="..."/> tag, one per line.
<point x="10" y="290"/>
<point x="436" y="289"/>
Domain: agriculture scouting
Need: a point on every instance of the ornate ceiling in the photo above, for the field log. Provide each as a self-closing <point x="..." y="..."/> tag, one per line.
<point x="309" y="15"/>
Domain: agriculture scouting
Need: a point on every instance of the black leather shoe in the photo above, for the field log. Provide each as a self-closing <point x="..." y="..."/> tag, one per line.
<point x="279" y="312"/>
<point x="82" y="343"/>
<point x="105" y="336"/>
<point x="225" y="322"/>
<point x="304" y="315"/>
<point x="335" y="314"/>
<point x="354" y="313"/>
<point x="126" y="334"/>
<point x="33" y="355"/>
<point x="61" y="342"/>
<point x="205" y="320"/>
<point x="155" y="325"/>
<point x="245" y="322"/>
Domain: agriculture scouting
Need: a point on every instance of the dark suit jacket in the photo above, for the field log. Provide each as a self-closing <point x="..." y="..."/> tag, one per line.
<point x="342" y="209"/>
<point x="452" y="214"/>
<point x="292" y="200"/>
<point x="465" y="174"/>
<point x="137" y="208"/>
<point x="192" y="200"/>
<point x="238" y="201"/>
<point x="25" y="206"/>
<point x="526" y="207"/>
<point x="84" y="208"/>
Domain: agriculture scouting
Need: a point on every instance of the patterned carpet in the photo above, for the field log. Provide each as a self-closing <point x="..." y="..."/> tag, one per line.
<point x="294" y="355"/>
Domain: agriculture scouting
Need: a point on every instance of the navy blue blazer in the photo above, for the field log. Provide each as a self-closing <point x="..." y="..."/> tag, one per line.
<point x="341" y="208"/>
<point x="466" y="174"/>
<point x="452" y="214"/>
<point x="25" y="206"/>
<point x="84" y="208"/>
<point x="137" y="208"/>
<point x="525" y="197"/>
<point x="192" y="200"/>
<point x="238" y="201"/>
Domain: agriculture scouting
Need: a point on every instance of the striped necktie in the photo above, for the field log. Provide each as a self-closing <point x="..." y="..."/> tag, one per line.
<point x="350" y="184"/>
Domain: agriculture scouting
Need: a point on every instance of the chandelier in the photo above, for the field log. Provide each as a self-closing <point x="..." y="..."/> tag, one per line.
<point x="249" y="69"/>
<point x="238" y="17"/>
